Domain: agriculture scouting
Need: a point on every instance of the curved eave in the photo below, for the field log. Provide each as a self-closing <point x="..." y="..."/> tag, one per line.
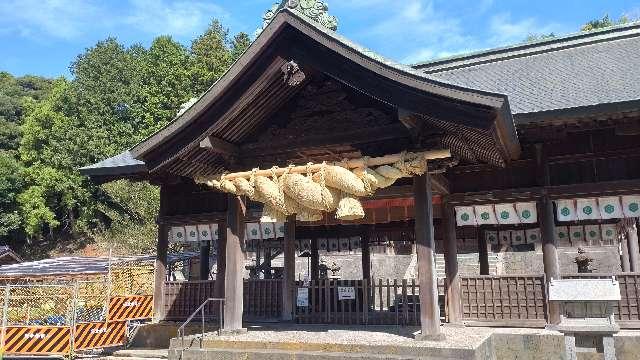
<point x="400" y="74"/>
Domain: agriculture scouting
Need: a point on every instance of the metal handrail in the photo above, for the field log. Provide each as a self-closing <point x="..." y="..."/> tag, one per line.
<point x="201" y="310"/>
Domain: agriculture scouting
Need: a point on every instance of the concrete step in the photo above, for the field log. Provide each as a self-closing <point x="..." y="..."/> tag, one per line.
<point x="276" y="354"/>
<point x="140" y="354"/>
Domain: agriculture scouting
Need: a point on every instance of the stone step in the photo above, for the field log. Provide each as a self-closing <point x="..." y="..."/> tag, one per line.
<point x="276" y="354"/>
<point x="141" y="353"/>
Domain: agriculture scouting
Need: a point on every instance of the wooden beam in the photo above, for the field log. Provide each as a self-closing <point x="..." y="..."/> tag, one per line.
<point x="289" y="270"/>
<point x="162" y="247"/>
<point x="220" y="146"/>
<point x="454" y="302"/>
<point x="440" y="184"/>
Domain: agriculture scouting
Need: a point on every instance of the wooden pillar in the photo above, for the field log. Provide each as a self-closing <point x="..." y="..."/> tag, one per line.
<point x="160" y="272"/>
<point x="483" y="253"/>
<point x="160" y="265"/>
<point x="429" y="309"/>
<point x="315" y="259"/>
<point x="234" y="269"/>
<point x="289" y="271"/>
<point x="451" y="265"/>
<point x="205" y="250"/>
<point x="632" y="238"/>
<point x="625" y="265"/>
<point x="221" y="262"/>
<point x="546" y="219"/>
<point x="366" y="254"/>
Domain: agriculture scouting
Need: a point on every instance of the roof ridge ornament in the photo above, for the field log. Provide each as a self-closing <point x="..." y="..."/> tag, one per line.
<point x="316" y="10"/>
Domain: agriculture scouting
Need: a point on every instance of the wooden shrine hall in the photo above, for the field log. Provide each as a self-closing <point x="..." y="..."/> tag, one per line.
<point x="495" y="157"/>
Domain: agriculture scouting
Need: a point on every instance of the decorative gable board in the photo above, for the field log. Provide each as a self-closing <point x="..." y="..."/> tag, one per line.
<point x="491" y="237"/>
<point x="506" y="214"/>
<point x="518" y="237"/>
<point x="610" y="207"/>
<point x="592" y="234"/>
<point x="631" y="206"/>
<point x="533" y="236"/>
<point x="527" y="212"/>
<point x="485" y="215"/>
<point x="566" y="210"/>
<point x="576" y="233"/>
<point x="587" y="209"/>
<point x="465" y="215"/>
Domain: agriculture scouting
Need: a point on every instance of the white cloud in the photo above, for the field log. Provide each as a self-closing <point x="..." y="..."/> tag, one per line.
<point x="178" y="18"/>
<point x="48" y="18"/>
<point x="505" y="31"/>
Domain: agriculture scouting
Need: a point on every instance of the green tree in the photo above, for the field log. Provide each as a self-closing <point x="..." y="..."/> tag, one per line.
<point x="11" y="184"/>
<point x="540" y="37"/>
<point x="604" y="22"/>
<point x="211" y="56"/>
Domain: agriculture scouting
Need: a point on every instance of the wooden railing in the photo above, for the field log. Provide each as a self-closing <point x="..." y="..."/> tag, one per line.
<point x="262" y="299"/>
<point x="517" y="300"/>
<point x="377" y="302"/>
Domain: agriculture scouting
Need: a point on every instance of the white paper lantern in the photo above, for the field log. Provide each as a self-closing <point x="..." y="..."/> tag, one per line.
<point x="587" y="209"/>
<point x="576" y="233"/>
<point x="631" y="205"/>
<point x="562" y="236"/>
<point x="610" y="207"/>
<point x="527" y="212"/>
<point x="268" y="230"/>
<point x="252" y="231"/>
<point x="191" y="232"/>
<point x="518" y="237"/>
<point x="322" y="244"/>
<point x="505" y="237"/>
<point x="215" y="231"/>
<point x="280" y="229"/>
<point x="506" y="214"/>
<point x="485" y="215"/>
<point x="465" y="216"/>
<point x="566" y="210"/>
<point x="533" y="236"/>
<point x="491" y="237"/>
<point x="592" y="234"/>
<point x="609" y="233"/>
<point x="204" y="232"/>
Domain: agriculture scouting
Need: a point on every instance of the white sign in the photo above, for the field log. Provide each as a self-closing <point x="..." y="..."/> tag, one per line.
<point x="302" y="299"/>
<point x="346" y="293"/>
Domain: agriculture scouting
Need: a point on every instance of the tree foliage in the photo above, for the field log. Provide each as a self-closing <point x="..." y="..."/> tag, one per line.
<point x="604" y="22"/>
<point x="117" y="96"/>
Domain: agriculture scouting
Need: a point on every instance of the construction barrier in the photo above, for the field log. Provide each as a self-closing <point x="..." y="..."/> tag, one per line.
<point x="37" y="340"/>
<point x="133" y="307"/>
<point x="95" y="335"/>
<point x="53" y="317"/>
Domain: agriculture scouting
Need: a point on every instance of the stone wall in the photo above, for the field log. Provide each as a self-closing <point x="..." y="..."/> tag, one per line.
<point x="606" y="260"/>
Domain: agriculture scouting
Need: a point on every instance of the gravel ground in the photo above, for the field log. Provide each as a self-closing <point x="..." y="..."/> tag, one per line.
<point x="456" y="337"/>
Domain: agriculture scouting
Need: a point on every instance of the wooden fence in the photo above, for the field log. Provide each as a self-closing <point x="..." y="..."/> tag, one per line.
<point x="262" y="299"/>
<point x="381" y="302"/>
<point x="518" y="300"/>
<point x="626" y="310"/>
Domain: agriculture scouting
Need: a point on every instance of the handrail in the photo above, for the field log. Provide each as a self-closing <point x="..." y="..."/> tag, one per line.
<point x="201" y="310"/>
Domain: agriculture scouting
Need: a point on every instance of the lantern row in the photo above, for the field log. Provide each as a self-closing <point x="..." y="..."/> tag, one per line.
<point x="209" y="232"/>
<point x="577" y="235"/>
<point x="611" y="207"/>
<point x="503" y="214"/>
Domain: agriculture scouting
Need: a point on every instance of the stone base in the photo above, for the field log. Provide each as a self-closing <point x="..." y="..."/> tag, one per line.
<point x="430" y="337"/>
<point x="233" y="332"/>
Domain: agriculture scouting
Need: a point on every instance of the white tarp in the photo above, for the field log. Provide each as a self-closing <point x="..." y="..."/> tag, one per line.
<point x="592" y="234"/>
<point x="610" y="207"/>
<point x="587" y="209"/>
<point x="631" y="205"/>
<point x="465" y="216"/>
<point x="485" y="215"/>
<point x="506" y="214"/>
<point x="527" y="212"/>
<point x="533" y="235"/>
<point x="566" y="210"/>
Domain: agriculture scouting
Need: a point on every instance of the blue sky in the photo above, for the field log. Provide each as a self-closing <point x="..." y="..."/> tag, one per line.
<point x="44" y="36"/>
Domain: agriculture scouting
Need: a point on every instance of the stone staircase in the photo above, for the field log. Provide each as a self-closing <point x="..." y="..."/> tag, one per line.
<point x="138" y="354"/>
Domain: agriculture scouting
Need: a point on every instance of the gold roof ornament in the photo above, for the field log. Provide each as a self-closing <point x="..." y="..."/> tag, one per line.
<point x="315" y="10"/>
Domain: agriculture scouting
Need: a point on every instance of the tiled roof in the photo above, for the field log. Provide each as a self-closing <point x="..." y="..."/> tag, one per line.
<point x="123" y="163"/>
<point x="575" y="71"/>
